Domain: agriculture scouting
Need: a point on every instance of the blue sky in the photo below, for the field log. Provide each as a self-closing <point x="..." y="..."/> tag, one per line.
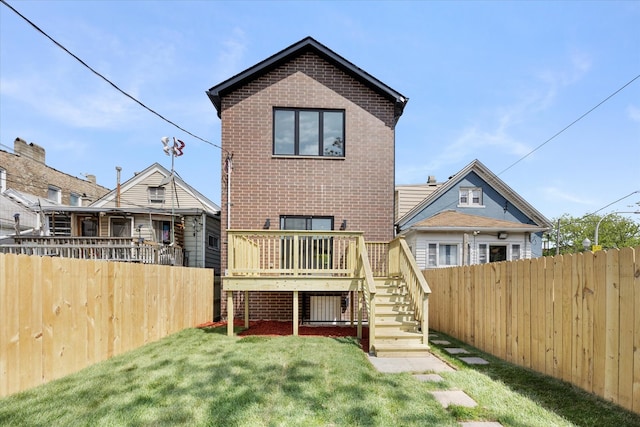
<point x="485" y="80"/>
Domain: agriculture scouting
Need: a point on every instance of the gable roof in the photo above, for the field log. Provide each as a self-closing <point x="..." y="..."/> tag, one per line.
<point x="490" y="178"/>
<point x="452" y="220"/>
<point x="139" y="178"/>
<point x="308" y="44"/>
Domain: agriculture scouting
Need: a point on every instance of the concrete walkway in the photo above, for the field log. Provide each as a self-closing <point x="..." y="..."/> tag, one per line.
<point x="394" y="365"/>
<point x="426" y="368"/>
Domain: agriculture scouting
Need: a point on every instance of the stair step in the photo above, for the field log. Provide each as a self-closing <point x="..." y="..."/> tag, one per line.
<point x="397" y="320"/>
<point x="398" y="338"/>
<point x="390" y="322"/>
<point x="417" y="350"/>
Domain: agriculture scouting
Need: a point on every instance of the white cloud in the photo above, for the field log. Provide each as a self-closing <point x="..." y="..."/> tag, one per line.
<point x="495" y="136"/>
<point x="634" y="113"/>
<point x="230" y="58"/>
<point x="557" y="195"/>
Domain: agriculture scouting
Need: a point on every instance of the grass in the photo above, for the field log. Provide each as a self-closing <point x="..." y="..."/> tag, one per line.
<point x="501" y="387"/>
<point x="201" y="377"/>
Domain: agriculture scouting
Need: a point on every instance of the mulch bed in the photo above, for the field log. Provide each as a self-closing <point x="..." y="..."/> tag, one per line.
<point x="275" y="328"/>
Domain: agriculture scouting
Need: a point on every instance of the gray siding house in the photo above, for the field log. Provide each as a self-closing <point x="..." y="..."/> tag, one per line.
<point x="472" y="218"/>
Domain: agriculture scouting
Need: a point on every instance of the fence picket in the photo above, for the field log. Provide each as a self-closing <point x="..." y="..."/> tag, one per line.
<point x="59" y="315"/>
<point x="625" y="384"/>
<point x="574" y="317"/>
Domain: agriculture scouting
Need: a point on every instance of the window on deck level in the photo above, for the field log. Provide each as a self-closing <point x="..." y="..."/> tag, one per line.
<point x="298" y="132"/>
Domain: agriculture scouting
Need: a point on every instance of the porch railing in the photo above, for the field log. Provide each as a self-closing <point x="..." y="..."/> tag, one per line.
<point x="291" y="253"/>
<point x="368" y="293"/>
<point x="97" y="248"/>
<point x="403" y="264"/>
<point x="378" y="258"/>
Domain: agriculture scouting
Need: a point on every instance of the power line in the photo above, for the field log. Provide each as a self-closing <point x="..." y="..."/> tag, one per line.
<point x="106" y="79"/>
<point x="570" y="124"/>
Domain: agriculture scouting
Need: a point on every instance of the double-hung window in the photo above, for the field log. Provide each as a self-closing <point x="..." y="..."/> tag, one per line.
<point x="470" y="196"/>
<point x="54" y="194"/>
<point x="442" y="255"/>
<point x="306" y="132"/>
<point x="156" y="194"/>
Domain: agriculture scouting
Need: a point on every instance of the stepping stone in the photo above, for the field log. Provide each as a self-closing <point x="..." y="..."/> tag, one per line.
<point x="474" y="360"/>
<point x="429" y="377"/>
<point x="481" y="424"/>
<point x="454" y="397"/>
<point x="456" y="351"/>
<point x="433" y="335"/>
<point x="440" y="342"/>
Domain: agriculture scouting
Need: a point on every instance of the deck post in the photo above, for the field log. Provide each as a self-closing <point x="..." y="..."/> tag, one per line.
<point x="295" y="313"/>
<point x="246" y="309"/>
<point x="425" y="319"/>
<point x="359" y="295"/>
<point x="372" y="321"/>
<point x="230" y="313"/>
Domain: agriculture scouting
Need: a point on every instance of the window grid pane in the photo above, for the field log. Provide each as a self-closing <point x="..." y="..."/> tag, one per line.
<point x="308" y="132"/>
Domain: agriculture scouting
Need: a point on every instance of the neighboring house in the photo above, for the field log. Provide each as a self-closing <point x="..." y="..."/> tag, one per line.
<point x="152" y="208"/>
<point x="158" y="208"/>
<point x="16" y="217"/>
<point x="472" y="218"/>
<point x="313" y="140"/>
<point x="25" y="170"/>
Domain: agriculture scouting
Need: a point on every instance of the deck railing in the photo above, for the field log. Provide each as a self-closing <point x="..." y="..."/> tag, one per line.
<point x="403" y="264"/>
<point x="368" y="292"/>
<point x="291" y="253"/>
<point x="97" y="248"/>
<point x="379" y="258"/>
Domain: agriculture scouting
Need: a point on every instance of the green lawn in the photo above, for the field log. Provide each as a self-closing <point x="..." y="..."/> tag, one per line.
<point x="202" y="377"/>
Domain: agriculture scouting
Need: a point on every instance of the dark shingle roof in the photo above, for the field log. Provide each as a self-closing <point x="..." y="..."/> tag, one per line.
<point x="305" y="45"/>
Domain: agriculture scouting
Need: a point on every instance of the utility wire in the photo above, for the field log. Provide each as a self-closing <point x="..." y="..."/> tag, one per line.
<point x="569" y="125"/>
<point x="107" y="80"/>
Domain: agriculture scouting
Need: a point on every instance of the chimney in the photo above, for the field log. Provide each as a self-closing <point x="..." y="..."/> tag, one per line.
<point x="118" y="170"/>
<point x="91" y="178"/>
<point x="31" y="151"/>
<point x="431" y="180"/>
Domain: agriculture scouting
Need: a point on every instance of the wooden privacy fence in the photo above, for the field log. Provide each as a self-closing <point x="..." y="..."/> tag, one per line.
<point x="59" y="315"/>
<point x="574" y="317"/>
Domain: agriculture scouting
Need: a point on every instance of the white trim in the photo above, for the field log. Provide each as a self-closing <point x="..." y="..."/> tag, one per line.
<point x="3" y="180"/>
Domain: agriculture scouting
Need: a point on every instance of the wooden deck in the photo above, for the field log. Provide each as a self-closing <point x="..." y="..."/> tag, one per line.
<point x="331" y="261"/>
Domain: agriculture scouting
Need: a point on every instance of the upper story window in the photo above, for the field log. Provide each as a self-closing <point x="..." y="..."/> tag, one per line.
<point x="156" y="194"/>
<point x="75" y="199"/>
<point x="470" y="196"/>
<point x="3" y="180"/>
<point x="303" y="132"/>
<point x="54" y="194"/>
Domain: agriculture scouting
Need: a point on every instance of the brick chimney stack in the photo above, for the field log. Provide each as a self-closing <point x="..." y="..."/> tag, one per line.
<point x="32" y="151"/>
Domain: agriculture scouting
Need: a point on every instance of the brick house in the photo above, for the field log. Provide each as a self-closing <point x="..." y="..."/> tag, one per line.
<point x="312" y="138"/>
<point x="25" y="171"/>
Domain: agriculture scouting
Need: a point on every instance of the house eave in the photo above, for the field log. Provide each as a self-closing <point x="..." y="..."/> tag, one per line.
<point x="479" y="229"/>
<point x="216" y="93"/>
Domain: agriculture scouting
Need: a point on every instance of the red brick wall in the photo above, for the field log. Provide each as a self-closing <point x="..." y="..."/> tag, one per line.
<point x="358" y="188"/>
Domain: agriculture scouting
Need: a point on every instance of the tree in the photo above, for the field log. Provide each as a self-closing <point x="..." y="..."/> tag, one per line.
<point x="615" y="231"/>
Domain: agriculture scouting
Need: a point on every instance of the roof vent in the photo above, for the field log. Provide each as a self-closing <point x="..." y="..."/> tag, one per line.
<point x="431" y="180"/>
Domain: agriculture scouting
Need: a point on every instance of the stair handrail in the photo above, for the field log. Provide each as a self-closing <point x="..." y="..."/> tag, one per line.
<point x="368" y="292"/>
<point x="417" y="285"/>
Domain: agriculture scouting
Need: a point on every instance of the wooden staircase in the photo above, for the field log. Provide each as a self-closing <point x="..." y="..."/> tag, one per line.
<point x="397" y="332"/>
